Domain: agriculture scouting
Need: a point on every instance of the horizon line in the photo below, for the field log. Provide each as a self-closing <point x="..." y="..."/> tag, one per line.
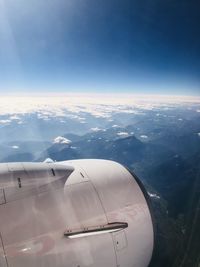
<point x="115" y="94"/>
<point x="104" y="98"/>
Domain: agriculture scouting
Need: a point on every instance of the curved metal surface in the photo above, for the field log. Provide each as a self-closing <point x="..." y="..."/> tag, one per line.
<point x="123" y="200"/>
<point x="96" y="193"/>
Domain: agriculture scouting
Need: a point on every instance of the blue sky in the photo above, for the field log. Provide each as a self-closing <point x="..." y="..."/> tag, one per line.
<point x="109" y="45"/>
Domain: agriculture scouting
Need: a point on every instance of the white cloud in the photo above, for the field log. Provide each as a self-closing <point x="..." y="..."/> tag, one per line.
<point x="144" y="136"/>
<point x="96" y="129"/>
<point x="61" y="140"/>
<point x="198" y="134"/>
<point x="97" y="105"/>
<point x="123" y="134"/>
<point x="115" y="126"/>
<point x="154" y="195"/>
<point x="15" y="147"/>
<point x="5" y="121"/>
<point x="14" y="117"/>
<point x="43" y="116"/>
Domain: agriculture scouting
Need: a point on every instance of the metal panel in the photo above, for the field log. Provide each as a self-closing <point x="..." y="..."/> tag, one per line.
<point x="2" y="197"/>
<point x="78" y="176"/>
<point x="85" y="210"/>
<point x="120" y="240"/>
<point x="3" y="261"/>
<point x="35" y="235"/>
<point x="12" y="167"/>
<point x="123" y="200"/>
<point x="24" y="180"/>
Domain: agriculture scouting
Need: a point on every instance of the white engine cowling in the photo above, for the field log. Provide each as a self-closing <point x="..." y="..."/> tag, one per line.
<point x="80" y="213"/>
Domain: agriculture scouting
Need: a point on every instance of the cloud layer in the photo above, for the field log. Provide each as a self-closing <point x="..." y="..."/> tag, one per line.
<point x="99" y="106"/>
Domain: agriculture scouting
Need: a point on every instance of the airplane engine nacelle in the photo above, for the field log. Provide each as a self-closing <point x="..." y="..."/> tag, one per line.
<point x="79" y="213"/>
